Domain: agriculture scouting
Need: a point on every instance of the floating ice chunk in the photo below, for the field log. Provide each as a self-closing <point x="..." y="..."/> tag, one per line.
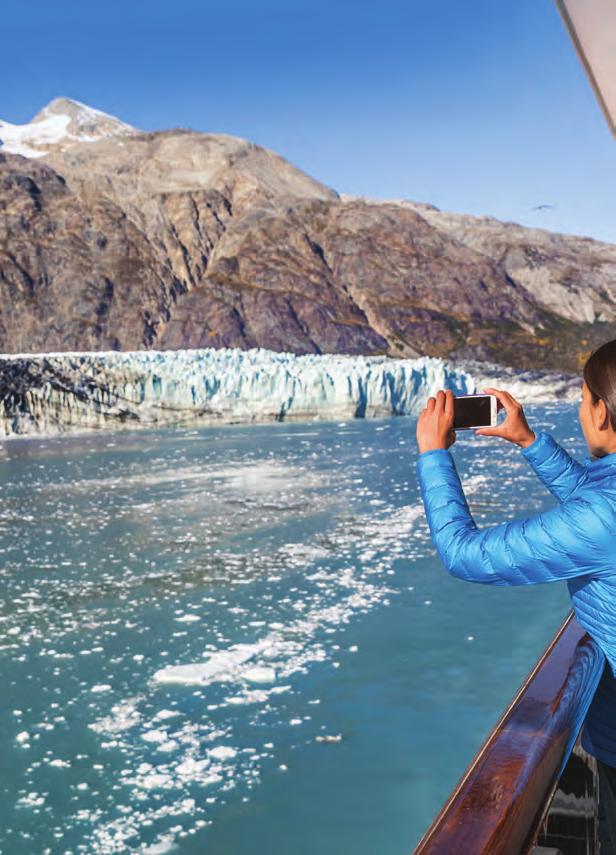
<point x="123" y="716"/>
<point x="188" y="618"/>
<point x="22" y="737"/>
<point x="260" y="675"/>
<point x="101" y="687"/>
<point x="155" y="781"/>
<point x="163" y="715"/>
<point x="154" y="736"/>
<point x="255" y="696"/>
<point x="192" y="768"/>
<point x="222" y="752"/>
<point x="220" y="666"/>
<point x="164" y="844"/>
<point x="31" y="800"/>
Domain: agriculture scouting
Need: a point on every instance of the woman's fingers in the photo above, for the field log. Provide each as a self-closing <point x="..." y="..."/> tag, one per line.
<point x="503" y="403"/>
<point x="442" y="404"/>
<point x="495" y="431"/>
<point x="506" y="398"/>
<point x="500" y="394"/>
<point x="500" y="398"/>
<point x="514" y="428"/>
<point x="438" y="417"/>
<point x="435" y="422"/>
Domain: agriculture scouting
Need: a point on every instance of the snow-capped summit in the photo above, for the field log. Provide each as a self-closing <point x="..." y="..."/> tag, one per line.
<point x="63" y="122"/>
<point x="83" y="119"/>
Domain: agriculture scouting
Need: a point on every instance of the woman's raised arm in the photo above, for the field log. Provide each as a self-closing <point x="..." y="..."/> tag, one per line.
<point x="554" y="466"/>
<point x="573" y="539"/>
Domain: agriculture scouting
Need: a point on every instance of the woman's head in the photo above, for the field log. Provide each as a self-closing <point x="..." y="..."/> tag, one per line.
<point x="598" y="408"/>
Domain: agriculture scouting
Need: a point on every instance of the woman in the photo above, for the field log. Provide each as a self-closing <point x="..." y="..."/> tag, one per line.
<point x="576" y="540"/>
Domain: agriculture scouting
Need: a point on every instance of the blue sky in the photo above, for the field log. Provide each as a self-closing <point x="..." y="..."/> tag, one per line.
<point x="478" y="106"/>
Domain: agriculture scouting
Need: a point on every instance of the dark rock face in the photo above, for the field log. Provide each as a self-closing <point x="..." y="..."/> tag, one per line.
<point x="75" y="272"/>
<point x="183" y="240"/>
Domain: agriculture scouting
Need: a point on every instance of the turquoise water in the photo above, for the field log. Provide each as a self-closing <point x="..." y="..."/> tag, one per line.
<point x="336" y="679"/>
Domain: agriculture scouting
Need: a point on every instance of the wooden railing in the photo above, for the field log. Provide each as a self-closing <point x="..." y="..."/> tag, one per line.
<point x="499" y="803"/>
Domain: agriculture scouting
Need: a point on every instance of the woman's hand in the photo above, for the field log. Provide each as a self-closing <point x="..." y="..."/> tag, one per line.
<point x="515" y="427"/>
<point x="435" y="423"/>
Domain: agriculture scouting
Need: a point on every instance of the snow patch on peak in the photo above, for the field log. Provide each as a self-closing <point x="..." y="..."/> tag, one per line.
<point x="66" y="107"/>
<point x="61" y="123"/>
<point x="80" y="115"/>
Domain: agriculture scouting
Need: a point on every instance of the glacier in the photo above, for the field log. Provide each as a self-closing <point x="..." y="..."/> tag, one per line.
<point x="54" y="393"/>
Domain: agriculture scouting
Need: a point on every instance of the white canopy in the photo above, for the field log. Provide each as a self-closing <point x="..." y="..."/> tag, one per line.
<point x="592" y="25"/>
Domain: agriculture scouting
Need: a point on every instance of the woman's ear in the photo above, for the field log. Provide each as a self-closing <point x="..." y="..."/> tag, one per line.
<point x="600" y="415"/>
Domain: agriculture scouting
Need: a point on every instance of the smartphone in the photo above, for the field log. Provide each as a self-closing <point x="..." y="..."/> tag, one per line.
<point x="474" y="411"/>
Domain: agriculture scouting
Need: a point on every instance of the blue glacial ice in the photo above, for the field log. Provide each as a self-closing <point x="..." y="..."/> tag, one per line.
<point x="58" y="392"/>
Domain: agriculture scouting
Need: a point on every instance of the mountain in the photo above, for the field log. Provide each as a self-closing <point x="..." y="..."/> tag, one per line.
<point x="113" y="238"/>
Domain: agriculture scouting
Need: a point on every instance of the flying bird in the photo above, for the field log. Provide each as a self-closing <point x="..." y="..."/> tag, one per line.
<point x="541" y="207"/>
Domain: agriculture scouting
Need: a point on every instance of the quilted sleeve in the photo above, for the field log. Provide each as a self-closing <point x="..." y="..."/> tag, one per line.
<point x="560" y="473"/>
<point x="572" y="539"/>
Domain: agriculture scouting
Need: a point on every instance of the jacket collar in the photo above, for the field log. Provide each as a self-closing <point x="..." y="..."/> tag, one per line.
<point x="597" y="464"/>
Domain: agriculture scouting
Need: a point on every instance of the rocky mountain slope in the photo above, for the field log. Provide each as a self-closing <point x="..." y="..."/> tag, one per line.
<point x="111" y="238"/>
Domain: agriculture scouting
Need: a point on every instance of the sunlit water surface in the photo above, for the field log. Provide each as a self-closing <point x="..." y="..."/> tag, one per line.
<point x="239" y="641"/>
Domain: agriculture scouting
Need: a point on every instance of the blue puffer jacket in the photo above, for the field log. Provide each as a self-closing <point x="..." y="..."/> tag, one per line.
<point x="576" y="541"/>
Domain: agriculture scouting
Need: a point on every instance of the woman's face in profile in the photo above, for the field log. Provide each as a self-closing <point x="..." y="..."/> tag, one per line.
<point x="591" y="416"/>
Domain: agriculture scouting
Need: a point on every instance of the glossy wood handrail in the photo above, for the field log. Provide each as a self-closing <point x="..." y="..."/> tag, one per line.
<point x="499" y="803"/>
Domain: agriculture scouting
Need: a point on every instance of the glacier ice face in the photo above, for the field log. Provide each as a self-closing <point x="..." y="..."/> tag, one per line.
<point x="59" y="392"/>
